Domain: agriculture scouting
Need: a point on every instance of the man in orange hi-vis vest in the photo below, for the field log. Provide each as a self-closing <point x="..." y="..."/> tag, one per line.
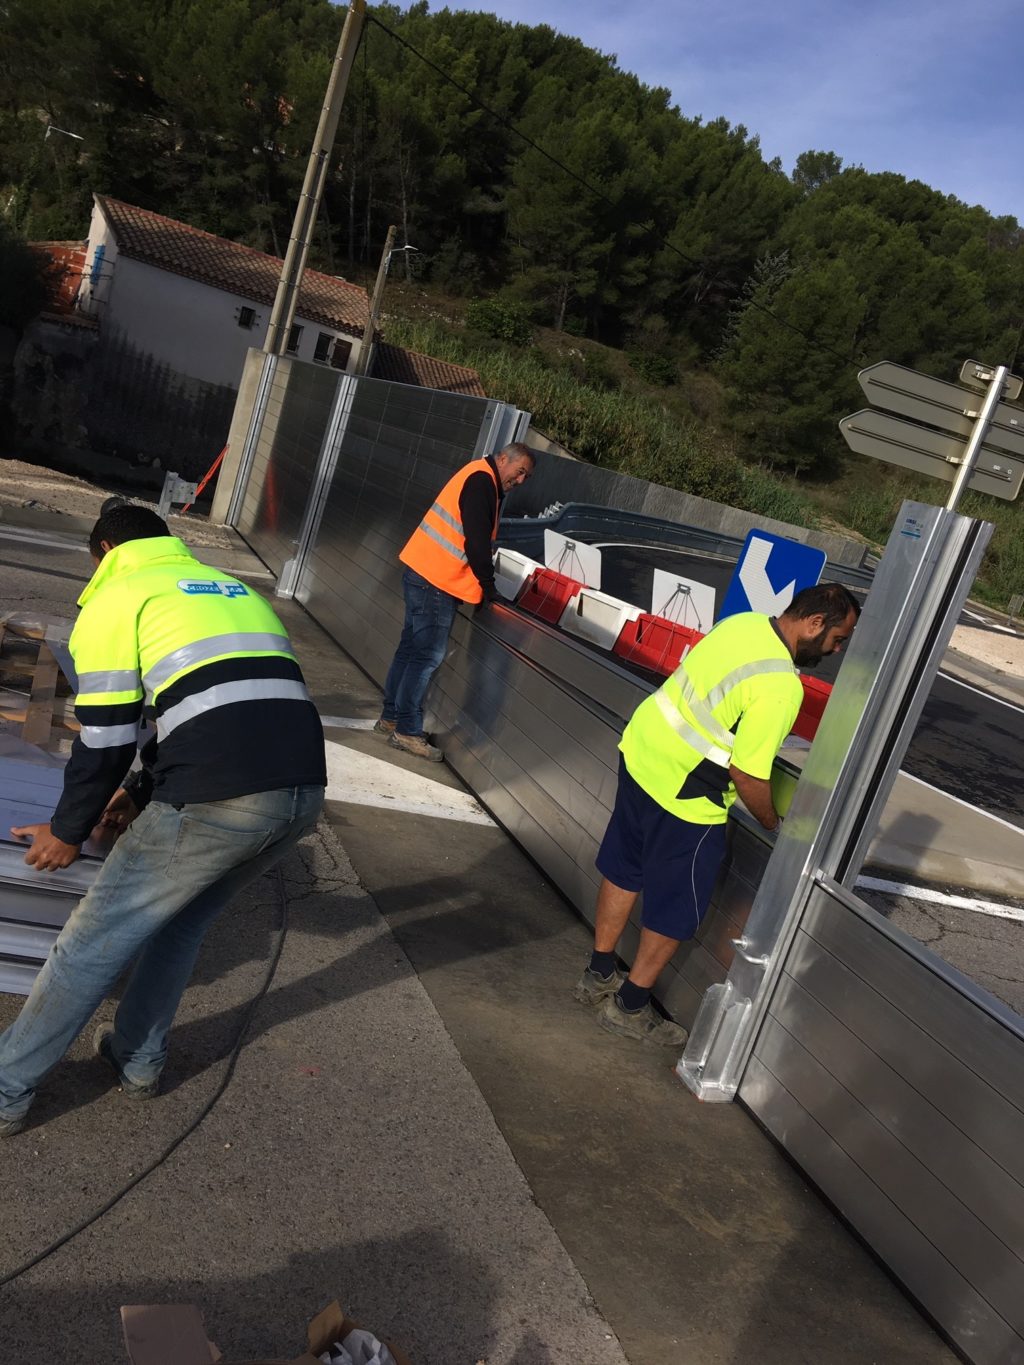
<point x="448" y="559"/>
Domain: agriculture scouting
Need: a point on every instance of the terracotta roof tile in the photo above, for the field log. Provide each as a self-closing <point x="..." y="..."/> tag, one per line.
<point x="410" y="367"/>
<point x="184" y="250"/>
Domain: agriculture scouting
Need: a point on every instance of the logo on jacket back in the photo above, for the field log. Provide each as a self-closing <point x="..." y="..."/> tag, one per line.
<point x="201" y="587"/>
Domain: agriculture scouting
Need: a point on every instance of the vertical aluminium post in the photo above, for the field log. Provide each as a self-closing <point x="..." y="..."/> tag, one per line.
<point x="921" y="584"/>
<point x="290" y="578"/>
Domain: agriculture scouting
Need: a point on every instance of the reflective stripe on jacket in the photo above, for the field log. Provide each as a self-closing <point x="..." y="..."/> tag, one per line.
<point x="191" y="645"/>
<point x="436" y="550"/>
<point x="681" y="741"/>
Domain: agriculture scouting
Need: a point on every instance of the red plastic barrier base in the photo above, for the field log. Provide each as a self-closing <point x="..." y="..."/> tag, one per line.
<point x="816" y="695"/>
<point x="546" y="594"/>
<point x="655" y="643"/>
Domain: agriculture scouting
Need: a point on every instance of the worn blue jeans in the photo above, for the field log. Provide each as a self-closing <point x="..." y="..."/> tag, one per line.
<point x="429" y="614"/>
<point x="166" y="879"/>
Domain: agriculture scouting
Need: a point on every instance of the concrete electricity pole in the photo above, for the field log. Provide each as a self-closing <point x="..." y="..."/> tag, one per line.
<point x="283" y="312"/>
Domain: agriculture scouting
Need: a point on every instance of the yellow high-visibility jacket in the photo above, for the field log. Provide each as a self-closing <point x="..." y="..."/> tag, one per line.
<point x="212" y="667"/>
<point x="732" y="700"/>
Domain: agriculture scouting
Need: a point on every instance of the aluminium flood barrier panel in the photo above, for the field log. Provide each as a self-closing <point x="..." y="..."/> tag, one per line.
<point x="897" y="1085"/>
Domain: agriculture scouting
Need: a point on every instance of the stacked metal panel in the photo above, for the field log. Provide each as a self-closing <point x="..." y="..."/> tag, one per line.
<point x="33" y="905"/>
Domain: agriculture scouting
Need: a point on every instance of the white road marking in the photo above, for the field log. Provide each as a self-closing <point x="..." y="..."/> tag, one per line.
<point x="926" y="893"/>
<point x="989" y="696"/>
<point x="367" y="781"/>
<point x="346" y="723"/>
<point x="989" y="625"/>
<point x="35" y="538"/>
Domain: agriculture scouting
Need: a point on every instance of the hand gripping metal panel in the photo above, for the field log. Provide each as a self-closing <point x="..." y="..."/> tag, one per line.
<point x="33" y="905"/>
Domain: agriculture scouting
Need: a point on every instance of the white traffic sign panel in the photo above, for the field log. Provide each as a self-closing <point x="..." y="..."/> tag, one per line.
<point x="770" y="571"/>
<point x="575" y="558"/>
<point x="926" y="399"/>
<point x="930" y="452"/>
<point x="683" y="600"/>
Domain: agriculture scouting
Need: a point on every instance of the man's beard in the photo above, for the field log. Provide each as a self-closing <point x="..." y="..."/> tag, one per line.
<point x="809" y="653"/>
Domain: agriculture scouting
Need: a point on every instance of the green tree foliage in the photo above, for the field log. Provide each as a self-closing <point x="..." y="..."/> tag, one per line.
<point x="663" y="234"/>
<point x="23" y="293"/>
<point x="878" y="268"/>
<point x="501" y="320"/>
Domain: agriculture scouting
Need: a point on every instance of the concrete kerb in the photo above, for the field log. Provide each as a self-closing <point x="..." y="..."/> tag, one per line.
<point x="977" y="674"/>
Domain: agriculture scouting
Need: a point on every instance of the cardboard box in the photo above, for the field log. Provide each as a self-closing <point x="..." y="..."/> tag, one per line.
<point x="173" y="1334"/>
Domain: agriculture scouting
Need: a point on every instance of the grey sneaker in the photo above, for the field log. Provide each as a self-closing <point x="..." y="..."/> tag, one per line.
<point x="591" y="989"/>
<point x="417" y="745"/>
<point x="645" y="1026"/>
<point x="132" y="1090"/>
<point x="8" y="1127"/>
<point x="383" y="727"/>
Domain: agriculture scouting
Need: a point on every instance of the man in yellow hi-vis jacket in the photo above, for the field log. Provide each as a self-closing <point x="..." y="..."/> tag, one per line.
<point x="711" y="731"/>
<point x="234" y="778"/>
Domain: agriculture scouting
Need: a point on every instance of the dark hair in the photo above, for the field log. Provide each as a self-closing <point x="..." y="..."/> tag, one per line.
<point x="127" y="522"/>
<point x="830" y="600"/>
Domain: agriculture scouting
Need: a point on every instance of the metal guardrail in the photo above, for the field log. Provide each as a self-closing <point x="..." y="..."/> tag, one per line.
<point x="591" y="521"/>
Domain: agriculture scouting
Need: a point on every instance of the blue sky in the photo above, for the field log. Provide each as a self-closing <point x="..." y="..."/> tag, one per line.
<point x="927" y="88"/>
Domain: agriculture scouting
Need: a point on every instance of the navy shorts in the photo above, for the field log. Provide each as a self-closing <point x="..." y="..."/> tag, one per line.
<point x="675" y="864"/>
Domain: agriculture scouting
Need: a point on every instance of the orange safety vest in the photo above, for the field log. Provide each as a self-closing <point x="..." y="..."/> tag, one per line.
<point x="436" y="550"/>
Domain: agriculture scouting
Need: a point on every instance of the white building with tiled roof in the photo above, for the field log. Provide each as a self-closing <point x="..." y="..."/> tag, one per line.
<point x="197" y="303"/>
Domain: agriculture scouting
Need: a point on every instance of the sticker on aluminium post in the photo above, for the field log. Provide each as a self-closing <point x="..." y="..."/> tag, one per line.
<point x="911" y="527"/>
<point x="202" y="587"/>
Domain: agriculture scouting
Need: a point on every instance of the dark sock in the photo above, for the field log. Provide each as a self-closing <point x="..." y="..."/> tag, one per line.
<point x="632" y="997"/>
<point x="602" y="964"/>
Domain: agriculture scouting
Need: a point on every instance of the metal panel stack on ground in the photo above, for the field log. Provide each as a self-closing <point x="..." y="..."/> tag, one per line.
<point x="36" y="725"/>
<point x="33" y="905"/>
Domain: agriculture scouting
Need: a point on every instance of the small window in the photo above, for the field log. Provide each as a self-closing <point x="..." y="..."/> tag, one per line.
<point x="323" y="347"/>
<point x="340" y="354"/>
<point x="293" y="339"/>
<point x="246" y="317"/>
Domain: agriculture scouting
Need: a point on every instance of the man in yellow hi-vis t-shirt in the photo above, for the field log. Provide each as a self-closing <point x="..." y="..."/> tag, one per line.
<point x="712" y="731"/>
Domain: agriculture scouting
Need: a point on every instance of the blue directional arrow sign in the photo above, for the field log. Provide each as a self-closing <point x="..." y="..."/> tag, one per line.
<point x="770" y="572"/>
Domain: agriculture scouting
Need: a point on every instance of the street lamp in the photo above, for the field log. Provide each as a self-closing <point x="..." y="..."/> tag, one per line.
<point x="363" y="363"/>
<point x="396" y="252"/>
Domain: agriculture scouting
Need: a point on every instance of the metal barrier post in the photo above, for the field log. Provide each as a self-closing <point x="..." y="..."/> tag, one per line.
<point x="922" y="582"/>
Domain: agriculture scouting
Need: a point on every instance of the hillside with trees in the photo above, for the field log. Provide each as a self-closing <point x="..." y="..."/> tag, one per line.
<point x="669" y="239"/>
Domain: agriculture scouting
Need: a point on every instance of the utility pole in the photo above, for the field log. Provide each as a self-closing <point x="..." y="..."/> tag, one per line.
<point x="283" y="313"/>
<point x="362" y="365"/>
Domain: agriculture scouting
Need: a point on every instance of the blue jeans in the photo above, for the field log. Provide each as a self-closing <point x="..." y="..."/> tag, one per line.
<point x="429" y="614"/>
<point x="166" y="879"/>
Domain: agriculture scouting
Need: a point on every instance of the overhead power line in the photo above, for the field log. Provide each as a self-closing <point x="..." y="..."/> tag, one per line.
<point x="649" y="228"/>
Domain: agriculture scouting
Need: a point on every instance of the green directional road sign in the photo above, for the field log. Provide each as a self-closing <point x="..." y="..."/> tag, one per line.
<point x="927" y="451"/>
<point x="924" y="399"/>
